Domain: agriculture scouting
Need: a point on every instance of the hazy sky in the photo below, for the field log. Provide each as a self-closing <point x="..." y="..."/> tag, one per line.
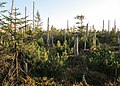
<point x="59" y="11"/>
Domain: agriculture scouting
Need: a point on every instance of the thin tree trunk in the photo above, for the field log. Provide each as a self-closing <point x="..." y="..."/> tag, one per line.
<point x="33" y="15"/>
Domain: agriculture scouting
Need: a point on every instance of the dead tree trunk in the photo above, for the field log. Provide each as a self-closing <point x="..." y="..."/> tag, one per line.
<point x="76" y="53"/>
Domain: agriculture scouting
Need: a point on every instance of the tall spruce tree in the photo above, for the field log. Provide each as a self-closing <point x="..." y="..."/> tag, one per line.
<point x="38" y="20"/>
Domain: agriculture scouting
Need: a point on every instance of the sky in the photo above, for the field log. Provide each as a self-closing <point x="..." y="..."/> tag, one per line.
<point x="59" y="11"/>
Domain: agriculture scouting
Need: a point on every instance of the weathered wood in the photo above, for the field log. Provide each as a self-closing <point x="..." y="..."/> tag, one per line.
<point x="115" y="25"/>
<point x="48" y="39"/>
<point x="12" y="8"/>
<point x="26" y="67"/>
<point x="103" y="25"/>
<point x="76" y="53"/>
<point x="108" y="25"/>
<point x="33" y="15"/>
<point x="86" y="37"/>
<point x="25" y="19"/>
